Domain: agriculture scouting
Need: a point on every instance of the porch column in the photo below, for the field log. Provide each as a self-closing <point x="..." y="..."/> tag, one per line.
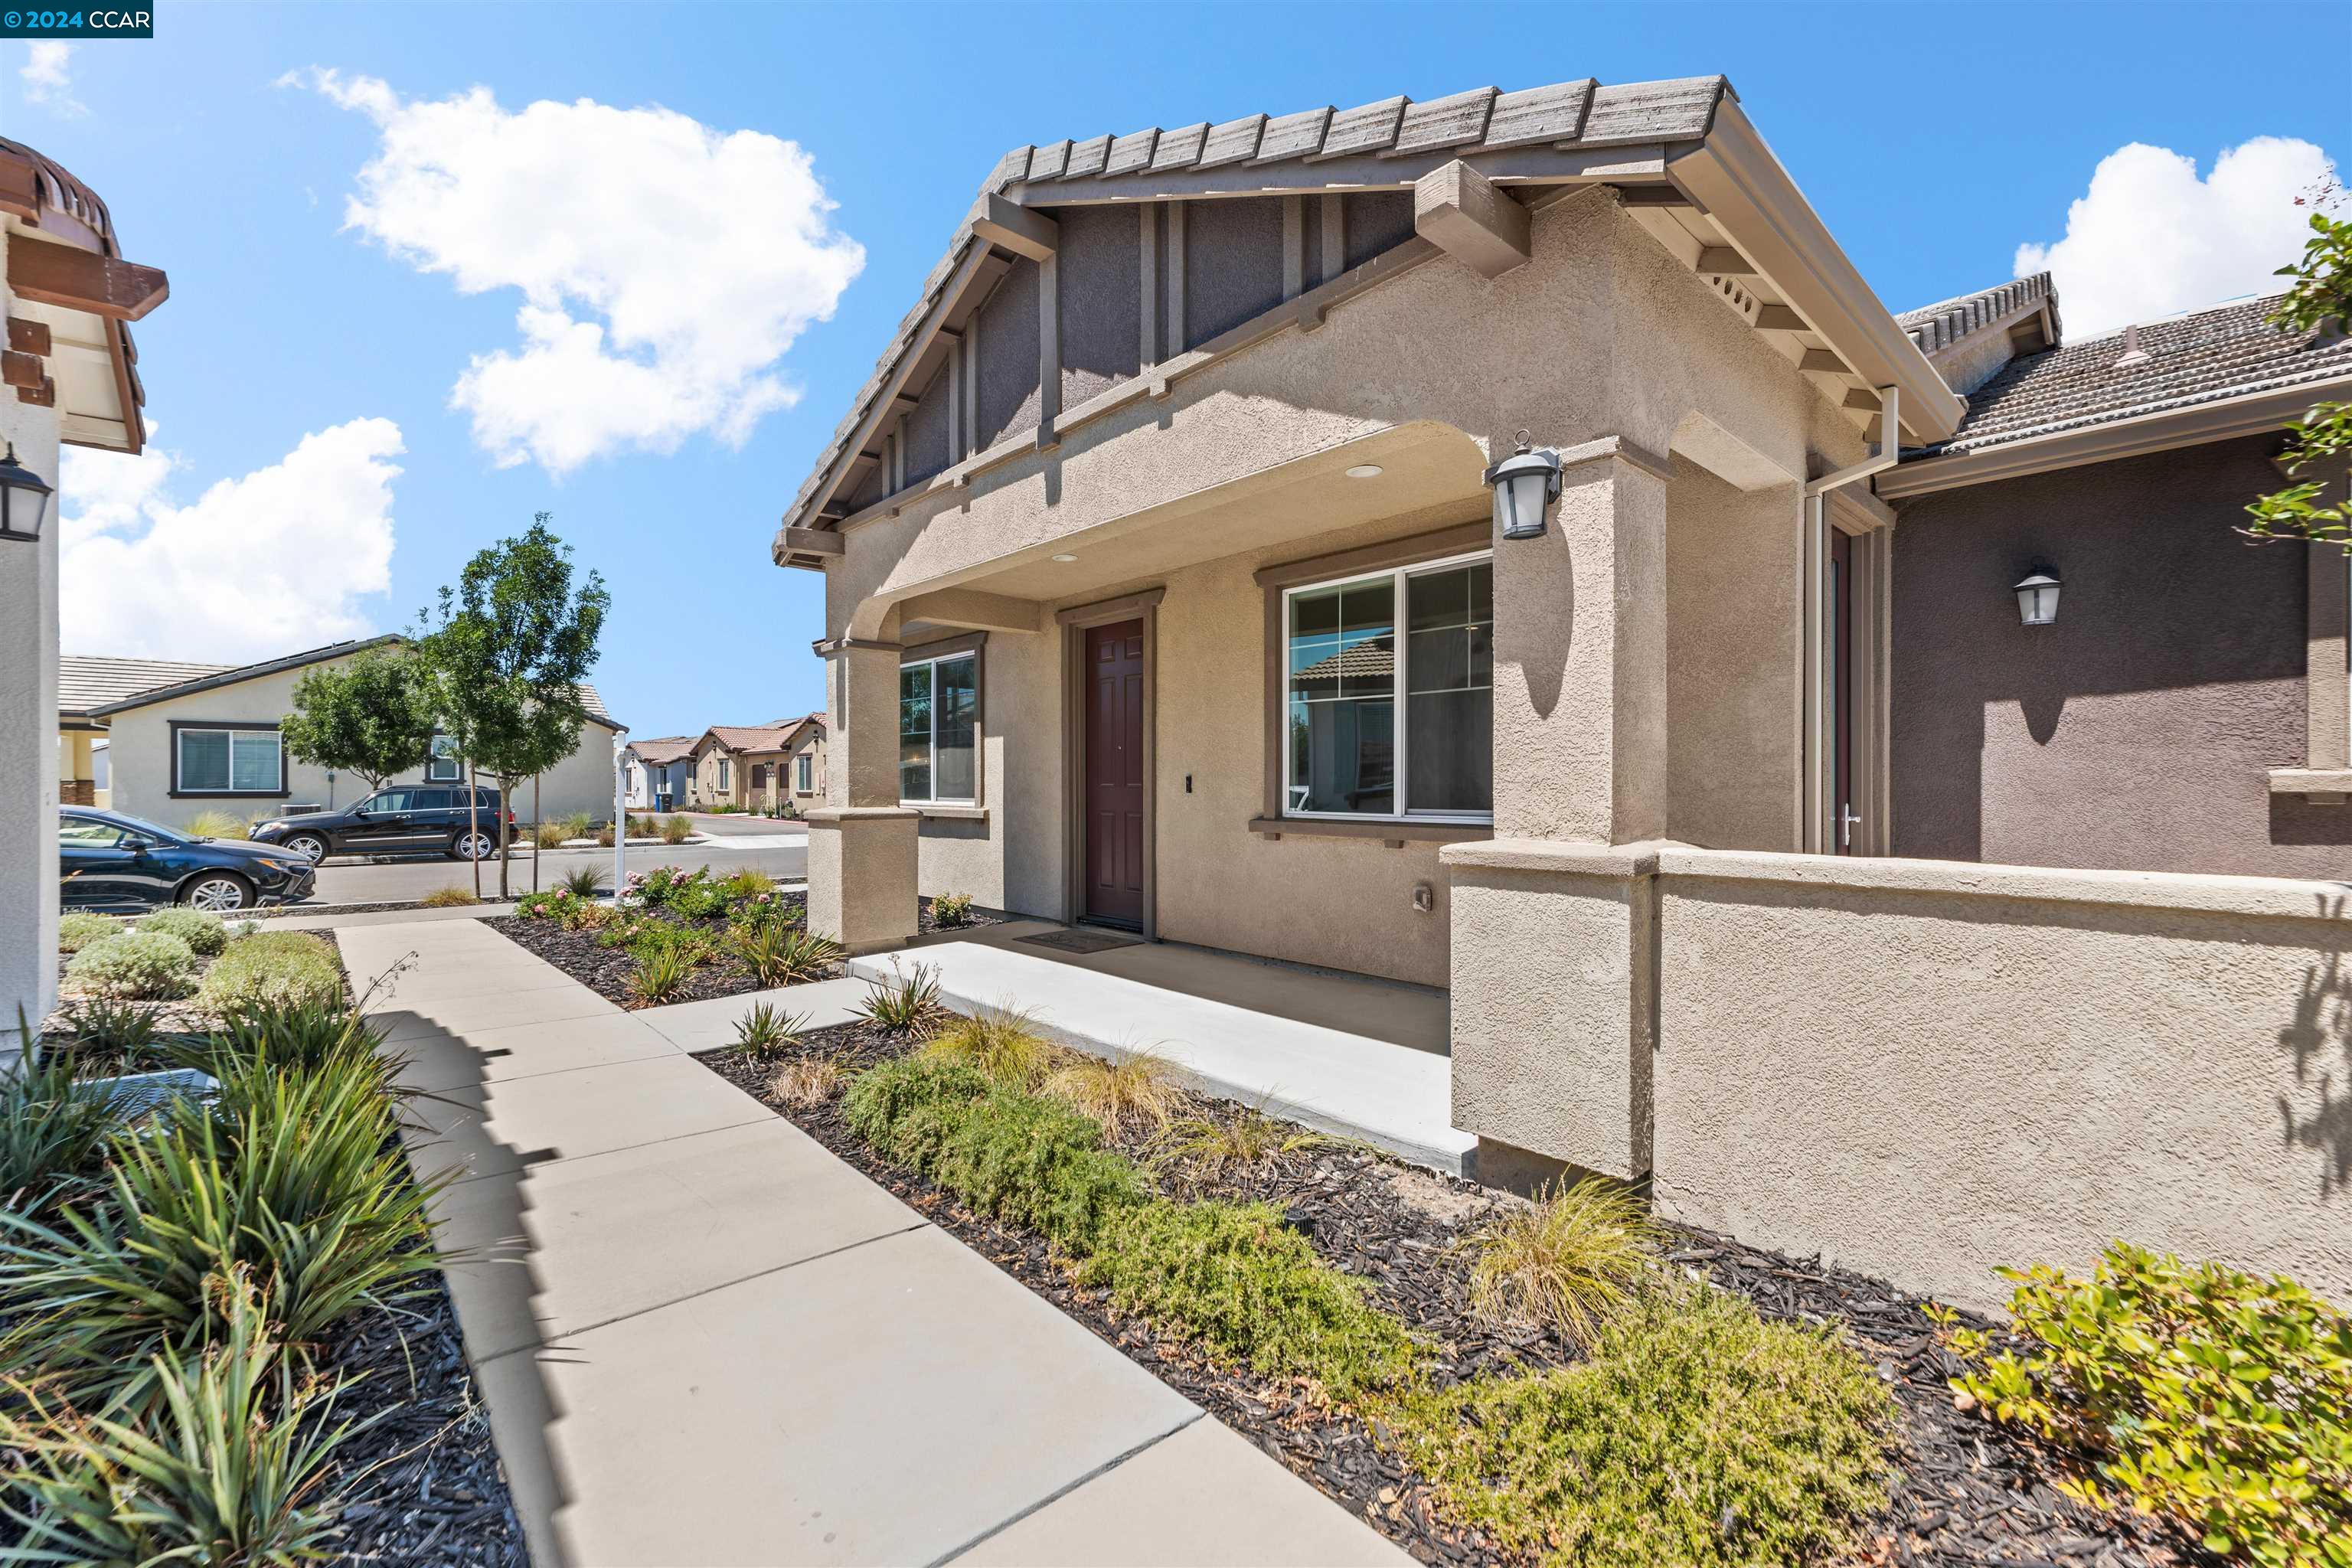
<point x="1553" y="947"/>
<point x="861" y="849"/>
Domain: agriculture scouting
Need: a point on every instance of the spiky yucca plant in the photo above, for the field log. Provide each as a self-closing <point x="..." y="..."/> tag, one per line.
<point x="904" y="1003"/>
<point x="782" y="954"/>
<point x="53" y="1134"/>
<point x="767" y="1029"/>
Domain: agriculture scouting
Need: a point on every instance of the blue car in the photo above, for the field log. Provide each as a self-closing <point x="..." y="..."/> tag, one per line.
<point x="114" y="864"/>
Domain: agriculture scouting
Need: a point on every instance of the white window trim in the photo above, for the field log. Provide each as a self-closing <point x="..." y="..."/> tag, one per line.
<point x="179" y="786"/>
<point x="932" y="664"/>
<point x="805" y="773"/>
<point x="434" y="760"/>
<point x="1398" y="685"/>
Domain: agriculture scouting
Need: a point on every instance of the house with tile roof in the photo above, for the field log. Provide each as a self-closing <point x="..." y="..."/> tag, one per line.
<point x="656" y="769"/>
<point x="1501" y="543"/>
<point x="764" y="768"/>
<point x="181" y="739"/>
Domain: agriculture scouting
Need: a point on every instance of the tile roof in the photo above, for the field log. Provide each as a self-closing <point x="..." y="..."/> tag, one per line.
<point x="88" y="681"/>
<point x="754" y="737"/>
<point x="1373" y="659"/>
<point x="1569" y="114"/>
<point x="1938" y="326"/>
<point x="656" y="750"/>
<point x="178" y="679"/>
<point x="2228" y="351"/>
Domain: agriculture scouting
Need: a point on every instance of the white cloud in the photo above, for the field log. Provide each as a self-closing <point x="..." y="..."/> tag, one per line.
<point x="271" y="562"/>
<point x="2149" y="239"/>
<point x="665" y="267"/>
<point x="48" y="76"/>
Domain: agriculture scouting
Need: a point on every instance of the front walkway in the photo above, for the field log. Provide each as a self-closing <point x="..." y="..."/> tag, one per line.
<point x="702" y="1339"/>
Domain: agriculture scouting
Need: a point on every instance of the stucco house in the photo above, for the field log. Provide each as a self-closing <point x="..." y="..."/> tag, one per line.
<point x="659" y="771"/>
<point x="1771" y="841"/>
<point x="759" y="767"/>
<point x="69" y="374"/>
<point x="206" y="738"/>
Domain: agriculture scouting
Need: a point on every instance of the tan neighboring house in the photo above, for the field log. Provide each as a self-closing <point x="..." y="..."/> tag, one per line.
<point x="759" y="767"/>
<point x="1776" y="848"/>
<point x="68" y="376"/>
<point x="208" y="741"/>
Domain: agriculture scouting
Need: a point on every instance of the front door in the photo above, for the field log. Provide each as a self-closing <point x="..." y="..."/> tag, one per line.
<point x="1114" y="775"/>
<point x="1843" y="816"/>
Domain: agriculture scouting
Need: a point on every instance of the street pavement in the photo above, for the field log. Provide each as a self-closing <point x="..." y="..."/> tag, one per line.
<point x="342" y="882"/>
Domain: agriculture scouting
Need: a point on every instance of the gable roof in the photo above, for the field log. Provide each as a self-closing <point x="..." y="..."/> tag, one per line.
<point x="85" y="681"/>
<point x="1536" y="136"/>
<point x="215" y="676"/>
<point x="2208" y="356"/>
<point x="657" y="751"/>
<point x="1940" y="326"/>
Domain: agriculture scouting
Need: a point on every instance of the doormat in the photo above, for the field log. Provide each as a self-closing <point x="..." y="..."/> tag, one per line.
<point x="1079" y="942"/>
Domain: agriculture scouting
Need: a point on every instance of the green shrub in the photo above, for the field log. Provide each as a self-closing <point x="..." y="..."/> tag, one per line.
<point x="661" y="886"/>
<point x="677" y="829"/>
<point x="1234" y="1276"/>
<point x="1698" y="1435"/>
<point x="662" y="972"/>
<point x="698" y="900"/>
<point x="273" y="967"/>
<point x="203" y="931"/>
<point x="137" y="964"/>
<point x="579" y="824"/>
<point x="952" y="910"/>
<point x="293" y="1176"/>
<point x="2223" y="1399"/>
<point x="450" y="898"/>
<point x="1027" y="1161"/>
<point x="904" y="1003"/>
<point x="80" y="928"/>
<point x="747" y="884"/>
<point x="581" y="881"/>
<point x="231" y="1465"/>
<point x="1570" y="1261"/>
<point x="53" y="1133"/>
<point x="217" y="825"/>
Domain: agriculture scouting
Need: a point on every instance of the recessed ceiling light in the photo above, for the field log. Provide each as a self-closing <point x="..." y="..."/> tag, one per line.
<point x="1365" y="471"/>
<point x="1066" y="558"/>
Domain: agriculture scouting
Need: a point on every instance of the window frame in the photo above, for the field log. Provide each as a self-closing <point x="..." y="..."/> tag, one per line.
<point x="931" y="661"/>
<point x="233" y="728"/>
<point x="804" y="774"/>
<point x="1399" y="689"/>
<point x="435" y="758"/>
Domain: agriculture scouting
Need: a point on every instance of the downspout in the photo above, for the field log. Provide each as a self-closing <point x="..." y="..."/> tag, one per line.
<point x="1813" y="838"/>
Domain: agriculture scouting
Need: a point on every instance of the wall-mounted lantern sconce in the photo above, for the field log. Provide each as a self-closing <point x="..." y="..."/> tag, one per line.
<point x="24" y="499"/>
<point x="2037" y="596"/>
<point x="1525" y="485"/>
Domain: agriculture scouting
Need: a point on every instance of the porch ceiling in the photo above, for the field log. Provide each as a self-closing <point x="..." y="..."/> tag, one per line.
<point x="1429" y="474"/>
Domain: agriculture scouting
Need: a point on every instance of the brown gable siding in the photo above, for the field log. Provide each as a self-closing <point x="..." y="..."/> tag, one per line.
<point x="1102" y="298"/>
<point x="2136" y="732"/>
<point x="1232" y="263"/>
<point x="1375" y="221"/>
<point x="925" y="431"/>
<point x="1008" y="356"/>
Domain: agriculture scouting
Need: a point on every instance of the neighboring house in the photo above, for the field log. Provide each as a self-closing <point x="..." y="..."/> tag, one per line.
<point x="86" y="683"/>
<point x="659" y="771"/>
<point x="761" y="767"/>
<point x="1168" y="589"/>
<point x="71" y="378"/>
<point x="209" y="742"/>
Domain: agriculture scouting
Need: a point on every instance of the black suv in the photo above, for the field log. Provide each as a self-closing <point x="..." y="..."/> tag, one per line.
<point x="399" y="819"/>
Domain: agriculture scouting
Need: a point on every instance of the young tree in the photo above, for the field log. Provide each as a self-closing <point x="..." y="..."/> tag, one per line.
<point x="508" y="647"/>
<point x="2319" y="299"/>
<point x="371" y="716"/>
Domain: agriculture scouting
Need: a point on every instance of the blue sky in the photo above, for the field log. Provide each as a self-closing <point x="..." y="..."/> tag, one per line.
<point x="1935" y="139"/>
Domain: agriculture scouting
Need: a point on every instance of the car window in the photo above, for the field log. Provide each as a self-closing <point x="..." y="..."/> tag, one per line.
<point x="91" y="832"/>
<point x="388" y="800"/>
<point x="428" y="800"/>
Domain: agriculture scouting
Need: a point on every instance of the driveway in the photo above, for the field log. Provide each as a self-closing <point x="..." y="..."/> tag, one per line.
<point x="354" y="882"/>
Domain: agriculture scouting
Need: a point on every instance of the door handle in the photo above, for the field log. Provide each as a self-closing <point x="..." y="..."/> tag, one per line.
<point x="1847" y="817"/>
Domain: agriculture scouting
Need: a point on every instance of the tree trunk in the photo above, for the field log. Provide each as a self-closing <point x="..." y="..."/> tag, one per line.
<point x="535" y="820"/>
<point x="474" y="822"/>
<point x="506" y="840"/>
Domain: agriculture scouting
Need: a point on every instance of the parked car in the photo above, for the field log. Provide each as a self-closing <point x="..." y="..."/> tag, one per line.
<point x="109" y="862"/>
<point x="399" y="819"/>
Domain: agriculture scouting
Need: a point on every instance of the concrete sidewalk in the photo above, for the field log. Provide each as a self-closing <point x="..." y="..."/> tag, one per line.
<point x="702" y="1339"/>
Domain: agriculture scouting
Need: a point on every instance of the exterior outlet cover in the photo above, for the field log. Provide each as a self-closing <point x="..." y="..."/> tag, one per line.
<point x="1425" y="896"/>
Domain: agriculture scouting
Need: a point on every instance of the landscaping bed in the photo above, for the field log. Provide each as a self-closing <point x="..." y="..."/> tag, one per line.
<point x="182" y="970"/>
<point x="264" y="1256"/>
<point x="713" y="926"/>
<point x="1957" y="1490"/>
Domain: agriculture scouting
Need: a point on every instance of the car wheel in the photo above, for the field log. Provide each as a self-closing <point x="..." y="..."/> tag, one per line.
<point x="309" y="845"/>
<point x="216" y="890"/>
<point x="473" y="846"/>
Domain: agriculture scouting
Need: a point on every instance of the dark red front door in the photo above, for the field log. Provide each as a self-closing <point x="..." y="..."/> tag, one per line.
<point x="1114" y="774"/>
<point x="1843" y="817"/>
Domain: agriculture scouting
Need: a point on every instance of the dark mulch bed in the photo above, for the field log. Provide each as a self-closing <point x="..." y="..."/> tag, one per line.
<point x="1964" y="1492"/>
<point x="440" y="1495"/>
<point x="606" y="970"/>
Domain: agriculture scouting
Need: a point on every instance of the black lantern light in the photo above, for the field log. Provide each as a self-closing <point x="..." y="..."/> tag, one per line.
<point x="2037" y="596"/>
<point x="24" y="499"/>
<point x="1525" y="485"/>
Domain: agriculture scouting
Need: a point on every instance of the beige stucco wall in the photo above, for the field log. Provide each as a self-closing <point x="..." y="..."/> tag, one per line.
<point x="142" y="751"/>
<point x="29" y="719"/>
